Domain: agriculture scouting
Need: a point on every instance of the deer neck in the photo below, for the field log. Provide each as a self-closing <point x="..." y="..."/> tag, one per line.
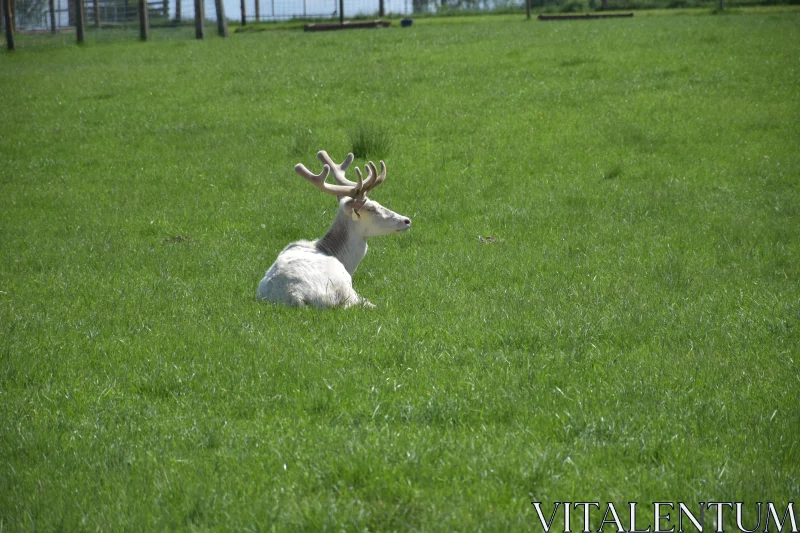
<point x="344" y="242"/>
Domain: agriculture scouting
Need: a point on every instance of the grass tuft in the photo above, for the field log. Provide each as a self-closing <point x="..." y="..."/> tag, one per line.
<point x="303" y="143"/>
<point x="370" y="140"/>
<point x="613" y="172"/>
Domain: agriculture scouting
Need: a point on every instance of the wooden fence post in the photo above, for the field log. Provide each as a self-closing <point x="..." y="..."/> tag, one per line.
<point x="381" y="9"/>
<point x="341" y="11"/>
<point x="80" y="21"/>
<point x="178" y="11"/>
<point x="199" y="19"/>
<point x="244" y="18"/>
<point x="144" y="20"/>
<point x="8" y="24"/>
<point x="52" y="16"/>
<point x="222" y="22"/>
<point x="528" y="8"/>
<point x="258" y="12"/>
<point x="96" y="13"/>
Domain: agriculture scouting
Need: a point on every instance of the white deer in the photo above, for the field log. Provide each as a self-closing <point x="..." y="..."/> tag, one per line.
<point x="319" y="273"/>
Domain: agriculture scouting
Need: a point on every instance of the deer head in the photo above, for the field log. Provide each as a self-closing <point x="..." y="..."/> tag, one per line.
<point x="370" y="217"/>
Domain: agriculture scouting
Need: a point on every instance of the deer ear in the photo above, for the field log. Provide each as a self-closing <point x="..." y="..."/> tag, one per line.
<point x="351" y="207"/>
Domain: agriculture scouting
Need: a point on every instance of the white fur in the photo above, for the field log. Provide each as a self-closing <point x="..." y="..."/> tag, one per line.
<point x="302" y="275"/>
<point x="319" y="273"/>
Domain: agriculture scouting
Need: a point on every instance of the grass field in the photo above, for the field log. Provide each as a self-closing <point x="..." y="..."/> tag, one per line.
<point x="629" y="333"/>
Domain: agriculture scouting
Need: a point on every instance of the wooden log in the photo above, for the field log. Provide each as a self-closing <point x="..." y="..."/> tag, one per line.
<point x="587" y="16"/>
<point x="348" y="25"/>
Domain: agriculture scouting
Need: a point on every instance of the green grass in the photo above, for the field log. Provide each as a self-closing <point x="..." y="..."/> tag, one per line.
<point x="630" y="332"/>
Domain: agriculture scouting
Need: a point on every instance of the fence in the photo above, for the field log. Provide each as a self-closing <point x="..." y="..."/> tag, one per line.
<point x="43" y="15"/>
<point x="121" y="19"/>
<point x="104" y="20"/>
<point x="54" y="15"/>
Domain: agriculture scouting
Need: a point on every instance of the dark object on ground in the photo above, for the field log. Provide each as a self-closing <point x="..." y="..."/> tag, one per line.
<point x="348" y="25"/>
<point x="587" y="16"/>
<point x="406" y="22"/>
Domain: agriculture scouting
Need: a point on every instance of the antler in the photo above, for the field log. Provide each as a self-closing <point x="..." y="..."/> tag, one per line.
<point x="318" y="181"/>
<point x="373" y="178"/>
<point x="337" y="170"/>
<point x="345" y="187"/>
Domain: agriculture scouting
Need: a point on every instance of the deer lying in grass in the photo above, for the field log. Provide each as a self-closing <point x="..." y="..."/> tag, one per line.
<point x="319" y="273"/>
